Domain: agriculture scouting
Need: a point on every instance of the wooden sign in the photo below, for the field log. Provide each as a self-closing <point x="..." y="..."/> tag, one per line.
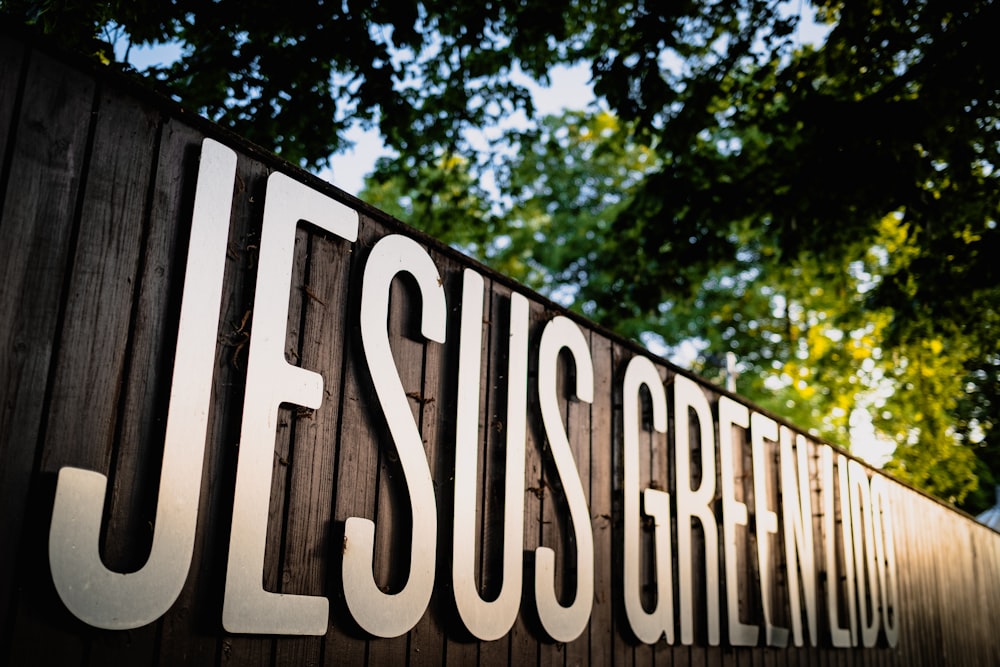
<point x="248" y="419"/>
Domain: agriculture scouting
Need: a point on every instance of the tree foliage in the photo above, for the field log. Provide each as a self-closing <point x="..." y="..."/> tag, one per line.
<point x="826" y="211"/>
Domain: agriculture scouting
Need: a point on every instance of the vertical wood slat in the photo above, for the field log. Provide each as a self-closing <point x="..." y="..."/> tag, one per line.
<point x="294" y="422"/>
<point x="554" y="530"/>
<point x="622" y="647"/>
<point x="601" y="630"/>
<point x="943" y="558"/>
<point x="357" y="458"/>
<point x="308" y="552"/>
<point x="524" y="643"/>
<point x="495" y="393"/>
<point x="642" y="654"/>
<point x="579" y="429"/>
<point x="96" y="320"/>
<point x="191" y="633"/>
<point x="435" y="403"/>
<point x="140" y="440"/>
<point x="13" y="57"/>
<point x="250" y="650"/>
<point x="101" y="291"/>
<point x="38" y="216"/>
<point x="392" y="537"/>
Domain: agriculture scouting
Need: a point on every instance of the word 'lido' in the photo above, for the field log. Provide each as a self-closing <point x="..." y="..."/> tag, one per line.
<point x="858" y="548"/>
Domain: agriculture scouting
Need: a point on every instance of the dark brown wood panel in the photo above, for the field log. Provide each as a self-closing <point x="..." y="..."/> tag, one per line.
<point x="602" y="634"/>
<point x="494" y="394"/>
<point x="48" y="145"/>
<point x="357" y="456"/>
<point x="96" y="192"/>
<point x="12" y="63"/>
<point x="191" y="634"/>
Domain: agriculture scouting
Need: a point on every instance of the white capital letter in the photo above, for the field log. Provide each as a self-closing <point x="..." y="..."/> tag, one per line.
<point x="382" y="614"/>
<point x="93" y="593"/>
<point x="489" y="620"/>
<point x="864" y="553"/>
<point x="764" y="428"/>
<point x="565" y="624"/>
<point x="647" y="626"/>
<point x="271" y="380"/>
<point x="797" y="512"/>
<point x="734" y="513"/>
<point x="885" y="553"/>
<point x="695" y="504"/>
<point x="840" y="636"/>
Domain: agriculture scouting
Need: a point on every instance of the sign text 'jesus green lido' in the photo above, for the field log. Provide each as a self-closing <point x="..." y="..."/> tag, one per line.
<point x="861" y="554"/>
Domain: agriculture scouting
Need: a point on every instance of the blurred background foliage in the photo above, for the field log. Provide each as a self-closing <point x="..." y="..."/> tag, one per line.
<point x="826" y="210"/>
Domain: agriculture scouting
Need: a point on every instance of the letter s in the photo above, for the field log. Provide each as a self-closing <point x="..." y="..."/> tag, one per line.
<point x="381" y="614"/>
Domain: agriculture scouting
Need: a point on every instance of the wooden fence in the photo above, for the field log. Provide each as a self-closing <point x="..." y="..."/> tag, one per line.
<point x="97" y="190"/>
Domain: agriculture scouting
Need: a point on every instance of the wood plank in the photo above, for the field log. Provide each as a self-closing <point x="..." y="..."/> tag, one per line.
<point x="650" y="458"/>
<point x="140" y="441"/>
<point x="192" y="632"/>
<point x="90" y="367"/>
<point x="260" y="650"/>
<point x="603" y="448"/>
<point x="698" y="451"/>
<point x="435" y="404"/>
<point x="623" y="644"/>
<point x="253" y="650"/>
<point x="555" y="531"/>
<point x="85" y="394"/>
<point x="12" y="61"/>
<point x="361" y="428"/>
<point x="393" y="520"/>
<point x="308" y="549"/>
<point x="661" y="474"/>
<point x="578" y="430"/>
<point x="526" y="633"/>
<point x="494" y="394"/>
<point x="38" y="214"/>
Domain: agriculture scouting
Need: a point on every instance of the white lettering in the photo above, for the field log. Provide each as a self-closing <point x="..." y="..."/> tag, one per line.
<point x="382" y="614"/>
<point x="796" y="507"/>
<point x="93" y="593"/>
<point x="734" y="513"/>
<point x="488" y="620"/>
<point x="565" y="624"/>
<point x="647" y="626"/>
<point x="695" y="504"/>
<point x="271" y="380"/>
<point x="840" y="636"/>
<point x="864" y="553"/>
<point x="763" y="428"/>
<point x="885" y="552"/>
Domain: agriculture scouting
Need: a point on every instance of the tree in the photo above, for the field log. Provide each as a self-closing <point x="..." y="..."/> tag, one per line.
<point x="810" y="345"/>
<point x="422" y="72"/>
<point x="862" y="167"/>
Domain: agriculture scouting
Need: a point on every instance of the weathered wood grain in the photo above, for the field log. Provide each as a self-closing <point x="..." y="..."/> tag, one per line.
<point x="85" y="389"/>
<point x="436" y="404"/>
<point x="602" y="634"/>
<point x="495" y="392"/>
<point x="96" y="190"/>
<point x="49" y="145"/>
<point x="357" y="457"/>
<point x="12" y="62"/>
<point x="192" y="631"/>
